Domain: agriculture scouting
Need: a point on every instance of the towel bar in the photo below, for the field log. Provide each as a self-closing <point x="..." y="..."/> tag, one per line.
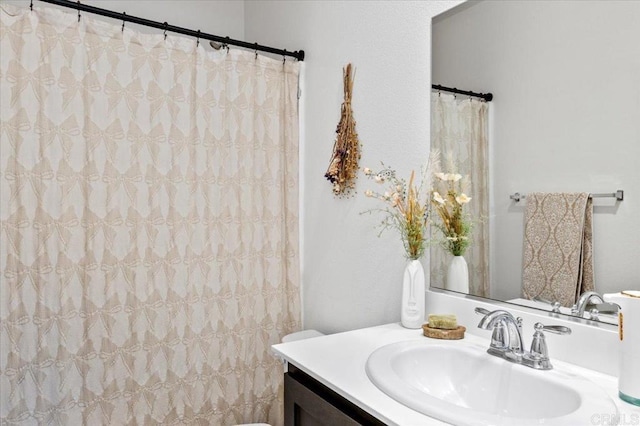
<point x="618" y="195"/>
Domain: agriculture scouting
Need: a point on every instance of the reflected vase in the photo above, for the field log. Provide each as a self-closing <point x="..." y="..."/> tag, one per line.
<point x="458" y="275"/>
<point x="413" y="294"/>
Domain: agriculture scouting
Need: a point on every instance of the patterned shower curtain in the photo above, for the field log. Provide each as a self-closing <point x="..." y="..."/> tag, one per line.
<point x="459" y="130"/>
<point x="149" y="231"/>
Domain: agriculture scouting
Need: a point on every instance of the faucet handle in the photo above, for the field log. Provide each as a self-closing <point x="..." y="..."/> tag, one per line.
<point x="482" y="311"/>
<point x="556" y="329"/>
<point x="539" y="353"/>
<point x="555" y="306"/>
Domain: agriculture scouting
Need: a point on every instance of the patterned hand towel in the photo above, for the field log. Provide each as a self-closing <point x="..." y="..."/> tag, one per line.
<point x="557" y="262"/>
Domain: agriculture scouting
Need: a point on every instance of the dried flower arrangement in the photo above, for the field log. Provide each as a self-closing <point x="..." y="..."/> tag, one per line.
<point x="343" y="168"/>
<point x="455" y="225"/>
<point x="406" y="207"/>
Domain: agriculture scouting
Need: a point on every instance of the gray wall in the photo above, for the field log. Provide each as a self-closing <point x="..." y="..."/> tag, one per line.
<point x="351" y="278"/>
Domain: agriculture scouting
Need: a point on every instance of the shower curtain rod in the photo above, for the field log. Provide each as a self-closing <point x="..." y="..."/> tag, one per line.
<point x="488" y="97"/>
<point x="298" y="54"/>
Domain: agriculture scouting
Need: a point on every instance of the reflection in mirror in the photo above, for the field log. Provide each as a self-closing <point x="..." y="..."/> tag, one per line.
<point x="459" y="135"/>
<point x="563" y="121"/>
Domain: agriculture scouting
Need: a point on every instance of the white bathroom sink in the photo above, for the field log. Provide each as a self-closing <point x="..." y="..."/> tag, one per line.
<point x="460" y="383"/>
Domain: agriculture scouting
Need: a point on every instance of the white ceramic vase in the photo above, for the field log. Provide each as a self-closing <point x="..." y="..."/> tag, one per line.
<point x="413" y="295"/>
<point x="458" y="275"/>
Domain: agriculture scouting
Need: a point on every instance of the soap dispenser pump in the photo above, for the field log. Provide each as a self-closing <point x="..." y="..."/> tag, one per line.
<point x="629" y="334"/>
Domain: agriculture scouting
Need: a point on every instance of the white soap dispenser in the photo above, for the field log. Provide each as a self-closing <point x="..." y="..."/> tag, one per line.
<point x="629" y="331"/>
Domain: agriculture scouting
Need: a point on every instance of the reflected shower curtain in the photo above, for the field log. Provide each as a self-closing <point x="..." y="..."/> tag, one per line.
<point x="459" y="130"/>
<point x="149" y="233"/>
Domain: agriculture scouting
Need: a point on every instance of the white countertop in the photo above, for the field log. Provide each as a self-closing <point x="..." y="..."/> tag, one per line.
<point x="338" y="361"/>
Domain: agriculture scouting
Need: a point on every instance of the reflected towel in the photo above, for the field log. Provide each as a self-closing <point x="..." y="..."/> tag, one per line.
<point x="558" y="250"/>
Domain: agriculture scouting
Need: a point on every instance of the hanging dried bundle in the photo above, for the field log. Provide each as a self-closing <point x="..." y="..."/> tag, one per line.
<point x="343" y="168"/>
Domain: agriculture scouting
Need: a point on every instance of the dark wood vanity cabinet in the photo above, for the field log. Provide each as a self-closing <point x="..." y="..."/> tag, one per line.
<point x="308" y="402"/>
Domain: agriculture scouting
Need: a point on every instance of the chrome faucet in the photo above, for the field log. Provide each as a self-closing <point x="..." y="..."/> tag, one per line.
<point x="585" y="299"/>
<point x="506" y="341"/>
<point x="509" y="331"/>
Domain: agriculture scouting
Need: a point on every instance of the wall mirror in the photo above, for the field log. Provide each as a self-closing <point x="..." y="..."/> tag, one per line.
<point x="565" y="117"/>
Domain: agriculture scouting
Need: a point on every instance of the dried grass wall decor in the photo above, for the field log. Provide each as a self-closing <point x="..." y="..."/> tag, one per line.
<point x="343" y="168"/>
